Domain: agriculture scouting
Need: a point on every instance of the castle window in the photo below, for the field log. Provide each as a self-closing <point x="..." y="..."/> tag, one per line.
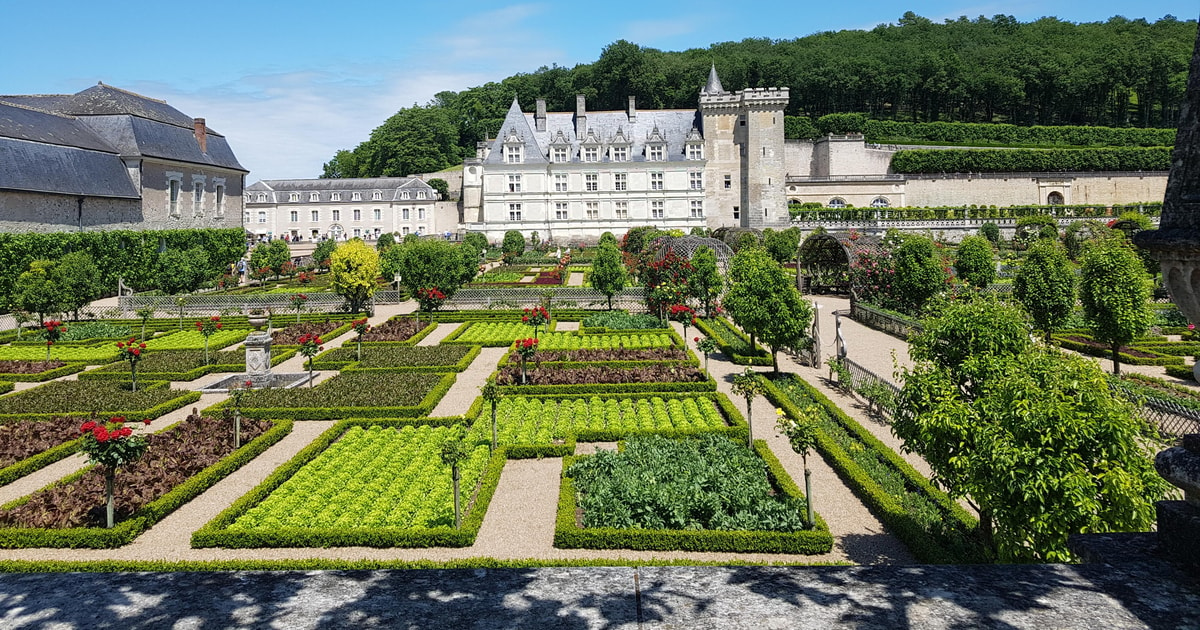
<point x="560" y="154"/>
<point x="728" y="182"/>
<point x="294" y="216"/>
<point x="697" y="209"/>
<point x="420" y="194"/>
<point x="316" y="215"/>
<point x="696" y="180"/>
<point x="337" y="215"/>
<point x="262" y="217"/>
<point x="173" y="194"/>
<point x="404" y="214"/>
<point x="591" y="182"/>
<point x="880" y="202"/>
<point x="514" y="212"/>
<point x="591" y="154"/>
<point x="197" y="196"/>
<point x="656" y="210"/>
<point x="1055" y="198"/>
<point x="593" y="210"/>
<point x="377" y="196"/>
<point x="836" y="202"/>
<point x="514" y="183"/>
<point x="404" y="230"/>
<point x="337" y="196"/>
<point x="357" y="214"/>
<point x="314" y="196"/>
<point x="737" y="213"/>
<point x="513" y="155"/>
<point x="356" y="196"/>
<point x="619" y="154"/>
<point x="619" y="181"/>
<point x="357" y="232"/>
<point x="262" y="198"/>
<point x="655" y="153"/>
<point x="378" y="214"/>
<point x="420" y="214"/>
<point x="294" y="197"/>
<point x="621" y="209"/>
<point x="560" y="210"/>
<point x="560" y="182"/>
<point x="404" y="195"/>
<point x="695" y="151"/>
<point x="656" y="181"/>
<point x="219" y="196"/>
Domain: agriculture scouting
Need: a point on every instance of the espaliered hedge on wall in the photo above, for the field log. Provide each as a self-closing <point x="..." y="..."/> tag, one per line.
<point x="568" y="535"/>
<point x="935" y="528"/>
<point x="1152" y="209"/>
<point x="125" y="531"/>
<point x="132" y="255"/>
<point x="217" y="533"/>
<point x="1031" y="160"/>
<point x="983" y="134"/>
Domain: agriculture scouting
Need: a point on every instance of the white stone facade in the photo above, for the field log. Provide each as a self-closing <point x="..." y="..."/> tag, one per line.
<point x="315" y="209"/>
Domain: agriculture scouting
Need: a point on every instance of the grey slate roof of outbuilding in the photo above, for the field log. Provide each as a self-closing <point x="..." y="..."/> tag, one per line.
<point x="673" y="125"/>
<point x="277" y="189"/>
<point x="51" y="168"/>
<point x="23" y="123"/>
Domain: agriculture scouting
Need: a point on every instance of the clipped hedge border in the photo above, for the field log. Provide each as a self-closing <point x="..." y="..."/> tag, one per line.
<point x="337" y="413"/>
<point x="216" y="533"/>
<point x="33" y="463"/>
<point x="691" y="360"/>
<point x="70" y="368"/>
<point x="889" y="510"/>
<point x="506" y="315"/>
<point x="727" y="350"/>
<point x="6" y="386"/>
<point x="1182" y="372"/>
<point x="708" y="385"/>
<point x="461" y="366"/>
<point x="1126" y="359"/>
<point x="118" y="374"/>
<point x="185" y="398"/>
<point x="125" y="531"/>
<point x="569" y="536"/>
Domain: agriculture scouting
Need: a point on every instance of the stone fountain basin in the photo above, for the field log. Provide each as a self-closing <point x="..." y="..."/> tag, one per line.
<point x="285" y="381"/>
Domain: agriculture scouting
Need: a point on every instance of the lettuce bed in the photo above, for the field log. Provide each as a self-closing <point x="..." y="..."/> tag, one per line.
<point x="83" y="398"/>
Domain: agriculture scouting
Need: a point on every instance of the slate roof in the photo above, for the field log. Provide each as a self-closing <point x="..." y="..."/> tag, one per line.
<point x="23" y="123"/>
<point x="278" y="189"/>
<point x="673" y="125"/>
<point x="713" y="86"/>
<point x="49" y="168"/>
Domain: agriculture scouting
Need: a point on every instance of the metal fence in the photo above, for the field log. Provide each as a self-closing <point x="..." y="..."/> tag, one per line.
<point x="632" y="299"/>
<point x="880" y="320"/>
<point x="1170" y="417"/>
<point x="878" y="391"/>
<point x="205" y="303"/>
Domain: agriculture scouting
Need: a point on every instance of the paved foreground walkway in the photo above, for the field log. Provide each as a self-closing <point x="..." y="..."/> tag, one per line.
<point x="925" y="597"/>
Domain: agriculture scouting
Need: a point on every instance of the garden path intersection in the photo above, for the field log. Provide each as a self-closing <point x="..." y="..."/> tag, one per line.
<point x="890" y="591"/>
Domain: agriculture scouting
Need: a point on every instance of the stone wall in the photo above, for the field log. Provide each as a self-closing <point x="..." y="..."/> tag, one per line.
<point x="1007" y="189"/>
<point x="42" y="212"/>
<point x="156" y="202"/>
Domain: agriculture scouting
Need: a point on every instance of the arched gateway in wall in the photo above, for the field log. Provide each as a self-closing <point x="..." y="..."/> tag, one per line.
<point x="825" y="261"/>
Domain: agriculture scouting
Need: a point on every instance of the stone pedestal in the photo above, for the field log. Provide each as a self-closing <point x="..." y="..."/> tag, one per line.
<point x="1179" y="521"/>
<point x="258" y="359"/>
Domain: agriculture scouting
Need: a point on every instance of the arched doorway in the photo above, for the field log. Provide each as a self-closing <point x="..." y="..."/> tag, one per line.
<point x="1055" y="198"/>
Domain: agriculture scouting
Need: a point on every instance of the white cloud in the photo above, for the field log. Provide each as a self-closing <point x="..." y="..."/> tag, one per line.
<point x="287" y="124"/>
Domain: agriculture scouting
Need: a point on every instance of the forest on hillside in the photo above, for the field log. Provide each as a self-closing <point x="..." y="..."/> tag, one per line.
<point x="1117" y="73"/>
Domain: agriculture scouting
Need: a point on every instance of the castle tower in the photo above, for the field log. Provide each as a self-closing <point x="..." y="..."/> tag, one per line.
<point x="743" y="142"/>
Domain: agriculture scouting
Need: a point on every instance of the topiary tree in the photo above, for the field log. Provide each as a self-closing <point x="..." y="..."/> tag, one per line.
<point x="966" y="328"/>
<point x="706" y="279"/>
<point x="802" y="436"/>
<point x="491" y="395"/>
<point x="433" y="263"/>
<point x="748" y="384"/>
<point x="991" y="232"/>
<point x="512" y="246"/>
<point x="78" y="281"/>
<point x="746" y="240"/>
<point x="975" y="263"/>
<point x="919" y="273"/>
<point x="182" y="271"/>
<point x="607" y="237"/>
<point x="111" y="445"/>
<point x="454" y="452"/>
<point x="608" y="272"/>
<point x="1045" y="285"/>
<point x="1115" y="292"/>
<point x="478" y="240"/>
<point x="782" y="245"/>
<point x="355" y="268"/>
<point x="37" y="292"/>
<point x="385" y="240"/>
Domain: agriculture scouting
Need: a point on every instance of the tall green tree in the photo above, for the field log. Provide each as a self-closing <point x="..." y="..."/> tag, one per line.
<point x="434" y="263"/>
<point x="608" y="272"/>
<point x="782" y="244"/>
<point x="37" y="291"/>
<point x="919" y="273"/>
<point x="1115" y="292"/>
<point x="322" y="252"/>
<point x="706" y="279"/>
<point x="512" y="246"/>
<point x="183" y="271"/>
<point x="78" y="280"/>
<point x="975" y="263"/>
<point x="1045" y="285"/>
<point x="755" y="279"/>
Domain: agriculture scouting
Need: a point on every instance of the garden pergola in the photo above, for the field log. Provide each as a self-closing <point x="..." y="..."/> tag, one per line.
<point x="686" y="247"/>
<point x="825" y="261"/>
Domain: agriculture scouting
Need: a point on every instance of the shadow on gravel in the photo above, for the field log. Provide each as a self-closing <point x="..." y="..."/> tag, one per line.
<point x="461" y="598"/>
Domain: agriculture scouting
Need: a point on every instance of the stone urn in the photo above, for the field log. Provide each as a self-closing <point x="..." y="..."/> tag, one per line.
<point x="258" y="319"/>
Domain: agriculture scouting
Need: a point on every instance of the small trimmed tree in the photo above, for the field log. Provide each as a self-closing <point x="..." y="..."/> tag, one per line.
<point x="991" y="232"/>
<point x="748" y="384"/>
<point x="1045" y="285"/>
<point x="802" y="435"/>
<point x="1115" y="292"/>
<point x="207" y="328"/>
<point x="78" y="281"/>
<point x="36" y="291"/>
<point x="608" y="272"/>
<point x="491" y="395"/>
<point x="111" y="445"/>
<point x="454" y="452"/>
<point x="512" y="246"/>
<point x="706" y="279"/>
<point x="321" y="255"/>
<point x="976" y="262"/>
<point x="355" y="268"/>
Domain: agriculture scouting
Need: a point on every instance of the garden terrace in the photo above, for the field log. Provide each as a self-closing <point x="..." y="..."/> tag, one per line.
<point x="37" y="371"/>
<point x="350" y="395"/>
<point x="546" y="426"/>
<point x="83" y="398"/>
<point x="708" y="494"/>
<point x="387" y="357"/>
<point x="180" y="463"/>
<point x="362" y="484"/>
<point x="181" y="365"/>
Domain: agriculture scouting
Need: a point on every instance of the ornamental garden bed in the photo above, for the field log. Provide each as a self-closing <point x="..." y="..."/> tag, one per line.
<point x="28" y="445"/>
<point x="549" y="426"/>
<point x="400" y="329"/>
<point x="705" y="494"/>
<point x="85" y="354"/>
<point x="599" y="374"/>
<point x="83" y="398"/>
<point x="362" y="483"/>
<point x="933" y="527"/>
<point x="620" y="320"/>
<point x="181" y="365"/>
<point x="181" y="462"/>
<point x="193" y="340"/>
<point x="1149" y="351"/>
<point x="351" y="395"/>
<point x="37" y="371"/>
<point x="614" y="358"/>
<point x="732" y="342"/>
<point x="391" y="357"/>
<point x="327" y="329"/>
<point x="500" y="334"/>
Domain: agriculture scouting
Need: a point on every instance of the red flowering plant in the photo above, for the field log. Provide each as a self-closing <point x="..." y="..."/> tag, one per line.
<point x="52" y="330"/>
<point x="683" y="314"/>
<point x="132" y="352"/>
<point x="310" y="345"/>
<point x="430" y="299"/>
<point x="361" y="327"/>
<point x="207" y="328"/>
<point x="262" y="273"/>
<point x="288" y="269"/>
<point x="526" y="348"/>
<point x="298" y="301"/>
<point x="536" y="316"/>
<point x="668" y="279"/>
<point x="707" y="346"/>
<point x="872" y="275"/>
<point x="305" y="277"/>
<point x="111" y="444"/>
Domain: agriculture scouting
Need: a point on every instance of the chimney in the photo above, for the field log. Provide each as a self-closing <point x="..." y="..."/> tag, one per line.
<point x="580" y="116"/>
<point x="201" y="134"/>
<point x="540" y="117"/>
<point x="632" y="109"/>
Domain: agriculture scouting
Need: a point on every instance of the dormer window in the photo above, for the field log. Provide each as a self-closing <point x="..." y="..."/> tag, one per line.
<point x="293" y="197"/>
<point x="377" y="196"/>
<point x="404" y="194"/>
<point x="619" y="154"/>
<point x="356" y="196"/>
<point x="560" y="154"/>
<point x="262" y="198"/>
<point x="655" y="153"/>
<point x="591" y="154"/>
<point x="420" y="194"/>
<point x="335" y="196"/>
<point x="560" y="148"/>
<point x="514" y="154"/>
<point x="314" y="196"/>
<point x="695" y="151"/>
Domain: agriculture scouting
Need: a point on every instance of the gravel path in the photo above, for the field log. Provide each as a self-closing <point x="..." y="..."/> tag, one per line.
<point x="466" y="386"/>
<point x="576" y="279"/>
<point x="441" y="332"/>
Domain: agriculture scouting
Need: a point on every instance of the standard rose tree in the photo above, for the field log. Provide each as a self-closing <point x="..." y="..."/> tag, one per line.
<point x="132" y="352"/>
<point x="310" y="345"/>
<point x="52" y="330"/>
<point x="207" y="328"/>
<point x="111" y="444"/>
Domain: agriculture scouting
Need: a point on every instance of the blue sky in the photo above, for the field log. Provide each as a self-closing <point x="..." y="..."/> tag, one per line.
<point x="289" y="83"/>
